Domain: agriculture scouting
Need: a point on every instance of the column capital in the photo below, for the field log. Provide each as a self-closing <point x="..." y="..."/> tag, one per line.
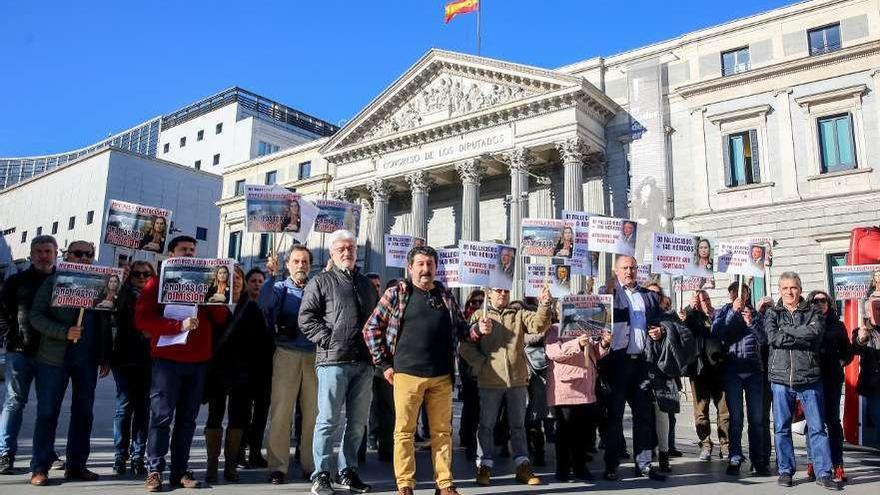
<point x="420" y="181"/>
<point x="346" y="194"/>
<point x="572" y="150"/>
<point x="470" y="171"/>
<point x="518" y="160"/>
<point x="380" y="190"/>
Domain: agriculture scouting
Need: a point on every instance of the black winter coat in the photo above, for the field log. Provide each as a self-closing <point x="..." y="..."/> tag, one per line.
<point x="795" y="339"/>
<point x="869" y="367"/>
<point x="836" y="351"/>
<point x="130" y="346"/>
<point x="15" y="308"/>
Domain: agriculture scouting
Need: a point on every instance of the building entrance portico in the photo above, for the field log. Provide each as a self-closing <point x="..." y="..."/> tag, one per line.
<point x="460" y="142"/>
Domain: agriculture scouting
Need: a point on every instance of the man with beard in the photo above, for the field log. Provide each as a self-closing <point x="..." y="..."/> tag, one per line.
<point x="293" y="367"/>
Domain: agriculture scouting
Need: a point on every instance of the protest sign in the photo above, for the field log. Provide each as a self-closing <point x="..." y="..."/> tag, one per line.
<point x="855" y="281"/>
<point x="78" y="285"/>
<point x="586" y="314"/>
<point x="486" y="264"/>
<point x="335" y="215"/>
<point x="583" y="262"/>
<point x="612" y="235"/>
<point x="681" y="254"/>
<point x="135" y="226"/>
<point x="196" y="281"/>
<point x="447" y="267"/>
<point x="397" y="248"/>
<point x="681" y="284"/>
<point x="644" y="275"/>
<point x="559" y="280"/>
<point x="546" y="237"/>
<point x="765" y="241"/>
<point x="275" y="209"/>
<point x="740" y="259"/>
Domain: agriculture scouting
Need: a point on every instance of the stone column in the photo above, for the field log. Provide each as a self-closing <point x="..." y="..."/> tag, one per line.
<point x="787" y="161"/>
<point x="380" y="190"/>
<point x="420" y="185"/>
<point x="471" y="174"/>
<point x="518" y="162"/>
<point x="572" y="151"/>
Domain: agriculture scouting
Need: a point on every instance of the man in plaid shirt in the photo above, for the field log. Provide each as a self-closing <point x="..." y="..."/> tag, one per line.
<point x="412" y="336"/>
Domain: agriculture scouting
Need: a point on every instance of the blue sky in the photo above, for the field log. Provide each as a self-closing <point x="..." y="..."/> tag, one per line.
<point x="75" y="72"/>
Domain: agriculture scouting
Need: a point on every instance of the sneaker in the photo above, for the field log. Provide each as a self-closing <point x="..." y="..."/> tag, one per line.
<point x="526" y="476"/>
<point x="449" y="490"/>
<point x="484" y="476"/>
<point x="652" y="474"/>
<point x="811" y="472"/>
<point x="7" y="464"/>
<point x="761" y="470"/>
<point x="154" y="482"/>
<point x="80" y="475"/>
<point x="58" y="465"/>
<point x="828" y="483"/>
<point x="839" y="474"/>
<point x="39" y="479"/>
<point x="733" y="469"/>
<point x="706" y="454"/>
<point x="321" y="485"/>
<point x="120" y="466"/>
<point x="350" y="480"/>
<point x="276" y="478"/>
<point x="784" y="480"/>
<point x="186" y="480"/>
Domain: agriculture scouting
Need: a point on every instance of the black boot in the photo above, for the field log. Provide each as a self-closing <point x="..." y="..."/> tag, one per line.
<point x="664" y="463"/>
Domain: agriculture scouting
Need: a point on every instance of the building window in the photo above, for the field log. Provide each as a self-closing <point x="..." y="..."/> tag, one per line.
<point x="305" y="170"/>
<point x="265" y="243"/>
<point x="741" y="164"/>
<point x="239" y="187"/>
<point x="201" y="234"/>
<point x="198" y="164"/>
<point x="824" y="39"/>
<point x="832" y="260"/>
<point x="71" y="223"/>
<point x="24" y="237"/>
<point x="234" y="250"/>
<point x="200" y="135"/>
<point x="54" y="228"/>
<point x="219" y="128"/>
<point x="166" y="147"/>
<point x="90" y="217"/>
<point x="735" y="61"/>
<point x="264" y="148"/>
<point x="271" y="178"/>
<point x="836" y="144"/>
<point x="39" y="231"/>
<point x="217" y="159"/>
<point x="183" y="141"/>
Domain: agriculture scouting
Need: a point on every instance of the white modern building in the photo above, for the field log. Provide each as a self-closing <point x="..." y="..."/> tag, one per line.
<point x="70" y="201"/>
<point x="226" y="128"/>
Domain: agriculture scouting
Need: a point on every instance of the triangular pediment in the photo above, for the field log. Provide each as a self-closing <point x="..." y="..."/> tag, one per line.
<point x="442" y="86"/>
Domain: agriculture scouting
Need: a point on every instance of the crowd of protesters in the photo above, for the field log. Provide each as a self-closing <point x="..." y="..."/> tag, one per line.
<point x="338" y="354"/>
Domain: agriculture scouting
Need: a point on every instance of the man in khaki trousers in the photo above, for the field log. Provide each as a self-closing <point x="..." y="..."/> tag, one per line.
<point x="293" y="368"/>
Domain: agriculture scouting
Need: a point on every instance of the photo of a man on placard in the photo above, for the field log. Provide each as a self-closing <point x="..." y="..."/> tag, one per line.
<point x="756" y="258"/>
<point x="626" y="243"/>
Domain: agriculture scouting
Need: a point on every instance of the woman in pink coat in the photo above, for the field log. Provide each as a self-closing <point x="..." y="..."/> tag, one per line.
<point x="571" y="392"/>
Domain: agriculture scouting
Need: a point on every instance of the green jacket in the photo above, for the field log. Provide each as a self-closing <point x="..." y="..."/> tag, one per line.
<point x="499" y="359"/>
<point x="53" y="323"/>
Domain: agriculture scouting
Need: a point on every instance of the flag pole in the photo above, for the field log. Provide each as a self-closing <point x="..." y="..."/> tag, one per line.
<point x="479" y="15"/>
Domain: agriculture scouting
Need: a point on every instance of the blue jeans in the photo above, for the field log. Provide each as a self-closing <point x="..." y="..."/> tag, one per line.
<point x="490" y="404"/>
<point x="175" y="389"/>
<point x="51" y="385"/>
<point x="20" y="372"/>
<point x="131" y="422"/>
<point x="783" y="408"/>
<point x="831" y="398"/>
<point x="753" y="387"/>
<point x="873" y="405"/>
<point x="341" y="387"/>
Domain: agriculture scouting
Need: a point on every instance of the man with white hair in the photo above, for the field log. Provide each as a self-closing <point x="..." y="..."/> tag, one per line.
<point x="335" y="306"/>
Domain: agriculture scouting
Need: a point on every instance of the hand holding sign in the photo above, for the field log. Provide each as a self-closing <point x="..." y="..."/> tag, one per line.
<point x="189" y="324"/>
<point x="74" y="333"/>
<point x="485" y="326"/>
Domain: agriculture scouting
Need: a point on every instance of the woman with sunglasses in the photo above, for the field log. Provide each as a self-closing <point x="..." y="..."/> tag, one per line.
<point x="469" y="394"/>
<point x="836" y="353"/>
<point x="130" y="364"/>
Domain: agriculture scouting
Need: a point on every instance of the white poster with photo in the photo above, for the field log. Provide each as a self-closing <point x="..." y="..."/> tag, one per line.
<point x="762" y="240"/>
<point x="644" y="276"/>
<point x="486" y="264"/>
<point x="681" y="254"/>
<point x="740" y="259"/>
<point x="546" y="237"/>
<point x="688" y="283"/>
<point x="583" y="262"/>
<point x="397" y="248"/>
<point x="337" y="215"/>
<point x="612" y="235"/>
<point x="447" y="267"/>
<point x="855" y="281"/>
<point x="586" y="314"/>
<point x="559" y="279"/>
<point x="276" y="209"/>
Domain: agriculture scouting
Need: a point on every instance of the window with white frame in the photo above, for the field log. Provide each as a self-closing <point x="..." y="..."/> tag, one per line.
<point x="837" y="150"/>
<point x="741" y="159"/>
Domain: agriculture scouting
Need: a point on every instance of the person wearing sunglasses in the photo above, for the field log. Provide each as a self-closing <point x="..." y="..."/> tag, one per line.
<point x="835" y="354"/>
<point x="68" y="354"/>
<point x="130" y="364"/>
<point x="469" y="393"/>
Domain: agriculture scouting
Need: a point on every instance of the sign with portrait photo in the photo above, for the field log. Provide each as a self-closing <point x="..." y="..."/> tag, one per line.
<point x="681" y="254"/>
<point x="612" y="235"/>
<point x="559" y="280"/>
<point x="78" y="285"/>
<point x="335" y="215"/>
<point x="275" y="209"/>
<point x="855" y="281"/>
<point x="586" y="314"/>
<point x="486" y="264"/>
<point x="740" y="259"/>
<point x="579" y="222"/>
<point x="135" y="226"/>
<point x="546" y="237"/>
<point x="397" y="248"/>
<point x="196" y="281"/>
<point x="447" y="267"/>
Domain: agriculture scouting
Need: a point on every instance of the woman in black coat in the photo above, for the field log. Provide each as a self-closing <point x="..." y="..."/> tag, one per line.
<point x="866" y="344"/>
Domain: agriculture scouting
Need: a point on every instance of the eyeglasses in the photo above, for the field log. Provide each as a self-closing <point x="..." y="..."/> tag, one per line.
<point x="820" y="300"/>
<point x="500" y="291"/>
<point x="139" y="273"/>
<point x="82" y="254"/>
<point x="343" y="249"/>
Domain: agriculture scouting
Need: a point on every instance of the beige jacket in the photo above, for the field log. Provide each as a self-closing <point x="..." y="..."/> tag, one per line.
<point x="499" y="359"/>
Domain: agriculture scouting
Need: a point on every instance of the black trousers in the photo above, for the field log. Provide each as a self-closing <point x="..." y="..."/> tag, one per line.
<point x="626" y="377"/>
<point x="262" y="393"/>
<point x="470" y="407"/>
<point x="573" y="426"/>
<point x="240" y="402"/>
<point x="383" y="423"/>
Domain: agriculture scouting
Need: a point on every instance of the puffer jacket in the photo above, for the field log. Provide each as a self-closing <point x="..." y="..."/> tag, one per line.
<point x="869" y="364"/>
<point x="668" y="359"/>
<point x="836" y="351"/>
<point x="499" y="359"/>
<point x="334" y="308"/>
<point x="710" y="352"/>
<point x="15" y="310"/>
<point x="743" y="342"/>
<point x="130" y="346"/>
<point x="571" y="378"/>
<point x="795" y="342"/>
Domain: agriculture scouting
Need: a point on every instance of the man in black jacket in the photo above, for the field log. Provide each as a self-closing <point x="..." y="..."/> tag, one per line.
<point x="335" y="306"/>
<point x="22" y="342"/>
<point x="794" y="330"/>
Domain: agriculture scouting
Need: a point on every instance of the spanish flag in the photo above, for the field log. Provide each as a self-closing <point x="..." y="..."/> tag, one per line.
<point x="456" y="7"/>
